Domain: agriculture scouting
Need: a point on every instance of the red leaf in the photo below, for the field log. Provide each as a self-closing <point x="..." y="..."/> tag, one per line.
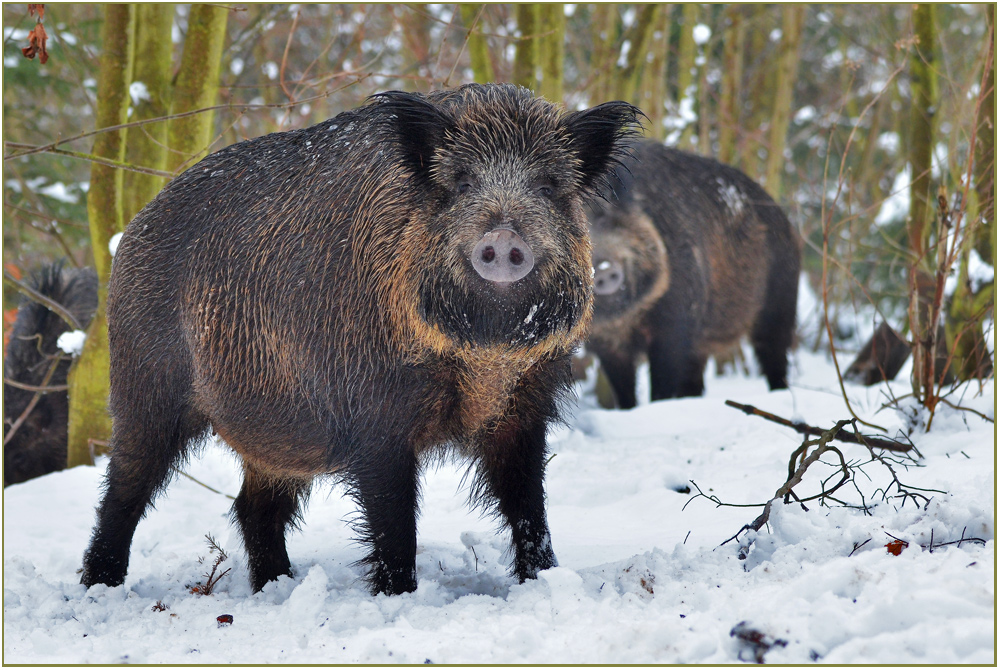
<point x="224" y="619"/>
<point x="36" y="44"/>
<point x="896" y="547"/>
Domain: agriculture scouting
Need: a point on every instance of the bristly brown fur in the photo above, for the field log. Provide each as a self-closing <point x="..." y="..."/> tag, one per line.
<point x="310" y="295"/>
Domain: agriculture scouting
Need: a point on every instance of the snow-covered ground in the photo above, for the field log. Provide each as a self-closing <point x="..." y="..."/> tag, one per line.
<point x="642" y="578"/>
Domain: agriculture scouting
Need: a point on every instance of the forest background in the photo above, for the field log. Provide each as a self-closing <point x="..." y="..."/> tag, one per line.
<point x="873" y="125"/>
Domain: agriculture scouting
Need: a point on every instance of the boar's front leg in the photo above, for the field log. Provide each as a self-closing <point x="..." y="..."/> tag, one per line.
<point x="510" y="477"/>
<point x="265" y="508"/>
<point x="385" y="485"/>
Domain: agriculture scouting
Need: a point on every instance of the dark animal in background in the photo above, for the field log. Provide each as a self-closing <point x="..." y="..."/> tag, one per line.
<point x="350" y="297"/>
<point x="38" y="446"/>
<point x="689" y="256"/>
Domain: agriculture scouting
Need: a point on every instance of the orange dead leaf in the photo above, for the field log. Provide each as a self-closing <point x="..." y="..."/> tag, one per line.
<point x="896" y="547"/>
<point x="36" y="44"/>
<point x="37" y="9"/>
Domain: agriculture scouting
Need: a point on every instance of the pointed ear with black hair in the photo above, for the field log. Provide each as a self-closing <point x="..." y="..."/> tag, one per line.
<point x="417" y="126"/>
<point x="600" y="136"/>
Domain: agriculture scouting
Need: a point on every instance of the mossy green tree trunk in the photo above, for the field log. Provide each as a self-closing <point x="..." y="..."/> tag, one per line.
<point x="639" y="36"/>
<point x="147" y="144"/>
<point x="653" y="91"/>
<point x="479" y="52"/>
<point x="552" y="24"/>
<point x="973" y="305"/>
<point x="792" y="16"/>
<point x="687" y="70"/>
<point x="602" y="60"/>
<point x="88" y="379"/>
<point x="526" y="51"/>
<point x="732" y="75"/>
<point x="197" y="87"/>
<point x="923" y="100"/>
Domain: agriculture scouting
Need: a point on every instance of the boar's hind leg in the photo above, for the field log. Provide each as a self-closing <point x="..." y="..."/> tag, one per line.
<point x="143" y="449"/>
<point x="264" y="509"/>
<point x="511" y="473"/>
<point x="774" y="327"/>
<point x="385" y="485"/>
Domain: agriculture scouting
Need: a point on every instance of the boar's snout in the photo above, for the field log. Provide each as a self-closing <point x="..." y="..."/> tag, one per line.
<point x="501" y="256"/>
<point x="608" y="277"/>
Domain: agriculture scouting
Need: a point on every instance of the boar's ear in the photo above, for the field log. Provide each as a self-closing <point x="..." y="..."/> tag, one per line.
<point x="600" y="138"/>
<point x="416" y="126"/>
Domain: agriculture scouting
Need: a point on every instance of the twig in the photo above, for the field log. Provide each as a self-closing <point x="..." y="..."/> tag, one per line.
<point x="100" y="160"/>
<point x="39" y="389"/>
<point x="44" y="299"/>
<point x="181" y="472"/>
<point x="805" y="429"/>
<point x="34" y="401"/>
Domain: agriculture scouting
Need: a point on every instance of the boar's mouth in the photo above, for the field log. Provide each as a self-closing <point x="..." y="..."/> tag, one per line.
<point x="518" y="314"/>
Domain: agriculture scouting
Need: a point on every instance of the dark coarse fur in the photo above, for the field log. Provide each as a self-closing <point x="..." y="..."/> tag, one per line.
<point x="39" y="444"/>
<point x="309" y="296"/>
<point x="708" y="257"/>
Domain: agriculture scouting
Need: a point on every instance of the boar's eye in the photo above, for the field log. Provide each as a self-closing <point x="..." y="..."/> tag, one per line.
<point x="545" y="188"/>
<point x="464" y="184"/>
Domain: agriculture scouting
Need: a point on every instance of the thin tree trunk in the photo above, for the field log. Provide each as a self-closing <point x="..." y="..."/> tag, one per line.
<point x="970" y="307"/>
<point x="605" y="25"/>
<point x="792" y="16"/>
<point x="552" y="46"/>
<point x="654" y="87"/>
<point x="197" y="86"/>
<point x="923" y="87"/>
<point x="147" y="144"/>
<point x="526" y="51"/>
<point x="88" y="379"/>
<point x="639" y="36"/>
<point x="732" y="75"/>
<point x="687" y="92"/>
<point x="479" y="52"/>
<point x="986" y="163"/>
<point x="760" y="57"/>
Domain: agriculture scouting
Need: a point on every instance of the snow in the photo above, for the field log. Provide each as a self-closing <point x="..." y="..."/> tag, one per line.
<point x="897" y="205"/>
<point x="642" y="577"/>
<point x="113" y="243"/>
<point x="72" y="341"/>
<point x="701" y="34"/>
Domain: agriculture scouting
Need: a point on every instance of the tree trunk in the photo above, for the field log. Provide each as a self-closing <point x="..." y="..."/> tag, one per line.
<point x="923" y="88"/>
<point x="479" y="52"/>
<point x="792" y="16"/>
<point x="605" y="26"/>
<point x="552" y="46"/>
<point x="197" y="87"/>
<point x="732" y="75"/>
<point x="986" y="163"/>
<point x="526" y="51"/>
<point x="147" y="144"/>
<point x="639" y="36"/>
<point x="654" y="86"/>
<point x="972" y="306"/>
<point x="687" y="92"/>
<point x="88" y="379"/>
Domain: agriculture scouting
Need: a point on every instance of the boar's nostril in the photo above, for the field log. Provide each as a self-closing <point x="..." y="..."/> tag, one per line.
<point x="501" y="256"/>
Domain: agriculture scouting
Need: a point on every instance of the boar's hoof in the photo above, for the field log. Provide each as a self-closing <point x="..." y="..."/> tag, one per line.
<point x="502" y="257"/>
<point x="608" y="277"/>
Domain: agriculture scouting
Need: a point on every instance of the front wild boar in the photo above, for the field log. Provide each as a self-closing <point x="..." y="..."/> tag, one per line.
<point x="410" y="275"/>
